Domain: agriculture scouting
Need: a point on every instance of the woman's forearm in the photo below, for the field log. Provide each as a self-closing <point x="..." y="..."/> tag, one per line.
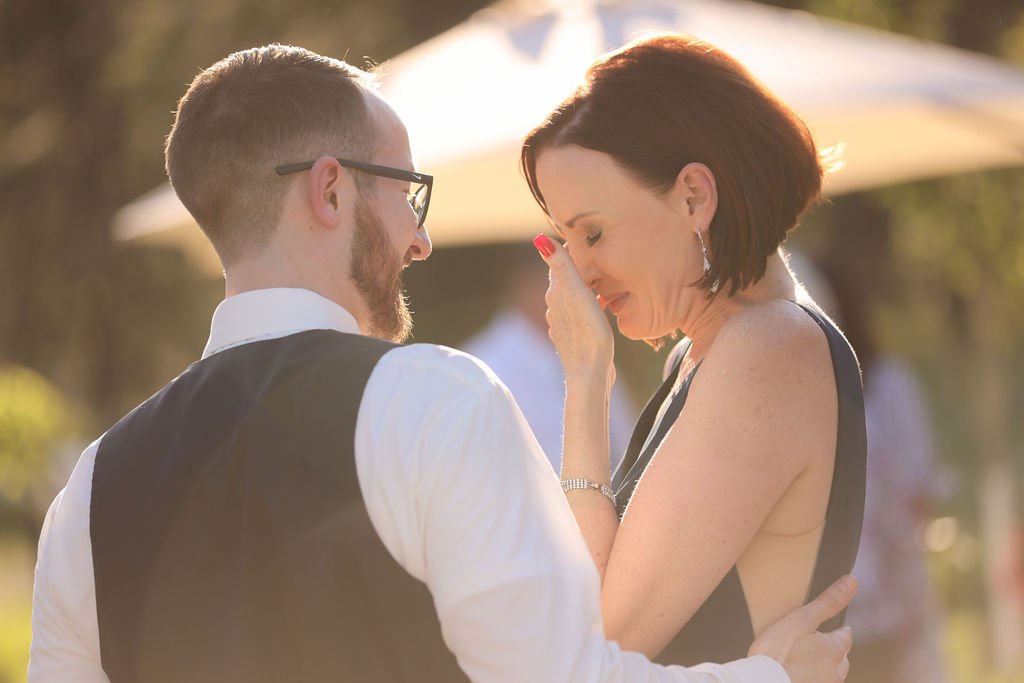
<point x="585" y="455"/>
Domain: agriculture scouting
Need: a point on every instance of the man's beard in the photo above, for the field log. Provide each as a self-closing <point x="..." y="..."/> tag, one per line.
<point x="377" y="274"/>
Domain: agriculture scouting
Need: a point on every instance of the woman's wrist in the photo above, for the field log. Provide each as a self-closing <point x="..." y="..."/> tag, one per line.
<point x="585" y="442"/>
<point x="589" y="381"/>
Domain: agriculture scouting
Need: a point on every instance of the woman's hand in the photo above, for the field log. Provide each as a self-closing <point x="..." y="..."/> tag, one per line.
<point x="576" y="323"/>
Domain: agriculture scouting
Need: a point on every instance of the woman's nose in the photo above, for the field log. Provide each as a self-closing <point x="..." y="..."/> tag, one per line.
<point x="587" y="270"/>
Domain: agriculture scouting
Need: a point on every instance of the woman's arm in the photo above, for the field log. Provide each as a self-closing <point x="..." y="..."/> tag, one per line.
<point x="586" y="348"/>
<point x="585" y="455"/>
<point x="759" y="414"/>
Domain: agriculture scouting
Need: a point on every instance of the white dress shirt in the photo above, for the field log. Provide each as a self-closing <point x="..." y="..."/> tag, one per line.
<point x="457" y="489"/>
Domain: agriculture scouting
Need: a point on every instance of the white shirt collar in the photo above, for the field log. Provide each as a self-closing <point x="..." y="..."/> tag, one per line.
<point x="272" y="313"/>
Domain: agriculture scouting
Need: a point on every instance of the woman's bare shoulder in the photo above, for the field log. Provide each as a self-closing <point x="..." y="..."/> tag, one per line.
<point x="771" y="365"/>
<point x="778" y="335"/>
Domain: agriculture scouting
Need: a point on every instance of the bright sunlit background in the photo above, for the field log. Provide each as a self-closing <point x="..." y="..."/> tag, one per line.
<point x="106" y="289"/>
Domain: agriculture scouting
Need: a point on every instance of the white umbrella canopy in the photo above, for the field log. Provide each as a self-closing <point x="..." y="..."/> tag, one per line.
<point x="900" y="109"/>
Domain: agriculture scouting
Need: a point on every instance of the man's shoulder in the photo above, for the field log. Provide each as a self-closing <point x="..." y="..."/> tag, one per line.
<point x="437" y="363"/>
<point x="440" y="360"/>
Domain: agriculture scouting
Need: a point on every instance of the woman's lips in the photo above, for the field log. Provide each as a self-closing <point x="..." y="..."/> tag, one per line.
<point x="615" y="302"/>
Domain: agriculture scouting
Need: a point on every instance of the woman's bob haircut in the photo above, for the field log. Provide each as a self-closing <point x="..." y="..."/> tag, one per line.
<point x="660" y="103"/>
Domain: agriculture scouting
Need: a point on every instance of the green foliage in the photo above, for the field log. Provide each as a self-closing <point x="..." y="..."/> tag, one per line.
<point x="15" y="637"/>
<point x="965" y="231"/>
<point x="34" y="418"/>
<point x="967" y="652"/>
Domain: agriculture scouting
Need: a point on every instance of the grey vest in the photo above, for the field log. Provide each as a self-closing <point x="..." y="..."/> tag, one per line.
<point x="230" y="538"/>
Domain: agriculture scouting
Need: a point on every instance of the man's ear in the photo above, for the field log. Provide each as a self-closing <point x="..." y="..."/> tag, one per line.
<point x="329" y="189"/>
<point x="697" y="192"/>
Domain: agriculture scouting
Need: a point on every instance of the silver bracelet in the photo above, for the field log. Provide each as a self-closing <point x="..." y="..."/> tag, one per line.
<point x="586" y="484"/>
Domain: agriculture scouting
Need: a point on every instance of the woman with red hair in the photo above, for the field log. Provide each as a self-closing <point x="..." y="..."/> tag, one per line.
<point x="674" y="177"/>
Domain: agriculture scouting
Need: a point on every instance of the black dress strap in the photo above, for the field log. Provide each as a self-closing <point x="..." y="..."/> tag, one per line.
<point x="624" y="478"/>
<point x="845" y="512"/>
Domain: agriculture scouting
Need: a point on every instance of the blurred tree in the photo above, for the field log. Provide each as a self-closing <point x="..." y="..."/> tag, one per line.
<point x="58" y="167"/>
<point x="33" y="417"/>
<point x="34" y="421"/>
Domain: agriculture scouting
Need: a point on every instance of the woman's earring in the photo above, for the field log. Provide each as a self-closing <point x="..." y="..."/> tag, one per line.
<point x="707" y="262"/>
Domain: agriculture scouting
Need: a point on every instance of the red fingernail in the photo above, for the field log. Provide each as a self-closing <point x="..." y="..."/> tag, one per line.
<point x="544" y="245"/>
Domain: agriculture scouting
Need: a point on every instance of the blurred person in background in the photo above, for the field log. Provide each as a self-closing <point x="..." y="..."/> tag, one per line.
<point x="1009" y="570"/>
<point x="516" y="346"/>
<point x="896" y="616"/>
<point x="674" y="177"/>
<point x="311" y="500"/>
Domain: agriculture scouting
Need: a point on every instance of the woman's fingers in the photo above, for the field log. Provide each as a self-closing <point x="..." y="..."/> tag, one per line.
<point x="544" y="245"/>
<point x="563" y="270"/>
<point x="557" y="258"/>
<point x="576" y="324"/>
<point x="564" y="276"/>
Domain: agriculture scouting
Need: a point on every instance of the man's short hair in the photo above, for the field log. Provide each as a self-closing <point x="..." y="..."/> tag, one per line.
<point x="247" y="114"/>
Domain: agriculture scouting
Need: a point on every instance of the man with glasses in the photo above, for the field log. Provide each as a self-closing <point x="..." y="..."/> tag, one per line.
<point x="311" y="501"/>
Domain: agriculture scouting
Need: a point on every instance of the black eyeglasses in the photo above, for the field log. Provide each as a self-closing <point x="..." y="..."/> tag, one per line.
<point x="420" y="183"/>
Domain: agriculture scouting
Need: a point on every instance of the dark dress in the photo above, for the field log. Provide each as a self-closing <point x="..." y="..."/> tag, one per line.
<point x="721" y="630"/>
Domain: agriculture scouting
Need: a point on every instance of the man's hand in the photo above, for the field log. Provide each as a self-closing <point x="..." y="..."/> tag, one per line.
<point x="794" y="641"/>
